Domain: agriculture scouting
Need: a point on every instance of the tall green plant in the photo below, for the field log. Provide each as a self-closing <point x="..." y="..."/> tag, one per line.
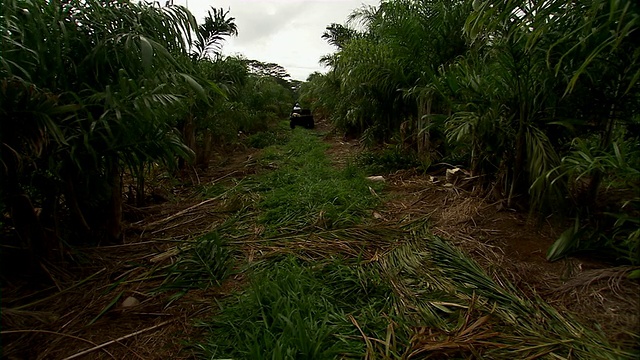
<point x="500" y="86"/>
<point x="108" y="81"/>
<point x="592" y="49"/>
<point x="217" y="25"/>
<point x="381" y="76"/>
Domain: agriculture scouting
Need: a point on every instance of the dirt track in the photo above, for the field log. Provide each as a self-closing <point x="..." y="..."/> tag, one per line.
<point x="503" y="241"/>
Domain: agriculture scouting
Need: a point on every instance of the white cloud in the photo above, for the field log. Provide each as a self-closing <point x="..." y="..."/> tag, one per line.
<point x="286" y="32"/>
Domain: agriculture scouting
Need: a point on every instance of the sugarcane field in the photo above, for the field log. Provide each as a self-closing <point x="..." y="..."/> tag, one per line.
<point x="376" y="179"/>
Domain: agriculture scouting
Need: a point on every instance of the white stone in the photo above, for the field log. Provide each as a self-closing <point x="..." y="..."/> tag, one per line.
<point x="130" y="301"/>
<point x="376" y="178"/>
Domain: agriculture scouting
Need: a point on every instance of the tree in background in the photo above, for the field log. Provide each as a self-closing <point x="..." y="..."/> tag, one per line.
<point x="217" y="26"/>
<point x="104" y="82"/>
<point x="538" y="99"/>
<point x="382" y="73"/>
<point x="92" y="90"/>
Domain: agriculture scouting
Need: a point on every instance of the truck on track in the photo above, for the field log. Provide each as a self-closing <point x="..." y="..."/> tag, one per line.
<point x="301" y="117"/>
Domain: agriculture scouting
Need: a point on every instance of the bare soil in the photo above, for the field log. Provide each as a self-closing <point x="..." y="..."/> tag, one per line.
<point x="77" y="311"/>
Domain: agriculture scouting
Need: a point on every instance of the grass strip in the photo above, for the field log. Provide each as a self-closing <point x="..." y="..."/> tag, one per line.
<point x="321" y="293"/>
<point x="305" y="191"/>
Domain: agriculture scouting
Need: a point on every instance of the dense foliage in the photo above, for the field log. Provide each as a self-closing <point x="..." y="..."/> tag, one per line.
<point x="97" y="91"/>
<point x="540" y="100"/>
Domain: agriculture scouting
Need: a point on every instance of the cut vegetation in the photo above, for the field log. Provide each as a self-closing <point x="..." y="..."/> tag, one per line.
<point x="375" y="290"/>
<point x="292" y="263"/>
<point x="469" y="191"/>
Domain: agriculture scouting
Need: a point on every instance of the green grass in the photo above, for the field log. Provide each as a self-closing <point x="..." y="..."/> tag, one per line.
<point x="387" y="160"/>
<point x="424" y="298"/>
<point x="324" y="287"/>
<point x="200" y="264"/>
<point x="295" y="310"/>
<point x="276" y="136"/>
<point x="208" y="191"/>
<point x="306" y="191"/>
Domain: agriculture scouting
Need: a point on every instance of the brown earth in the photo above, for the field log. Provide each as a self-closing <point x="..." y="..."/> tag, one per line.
<point x="80" y="308"/>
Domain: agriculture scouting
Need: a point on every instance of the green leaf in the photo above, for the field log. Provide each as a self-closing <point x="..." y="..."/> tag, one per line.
<point x="107" y="308"/>
<point x="565" y="243"/>
<point x="146" y="52"/>
<point x="195" y="86"/>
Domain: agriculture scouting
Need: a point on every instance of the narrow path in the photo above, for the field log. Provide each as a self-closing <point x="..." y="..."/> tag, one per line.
<point x="285" y="252"/>
<point x="328" y="278"/>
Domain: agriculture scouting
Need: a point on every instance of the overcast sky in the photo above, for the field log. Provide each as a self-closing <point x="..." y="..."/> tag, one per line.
<point x="286" y="32"/>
